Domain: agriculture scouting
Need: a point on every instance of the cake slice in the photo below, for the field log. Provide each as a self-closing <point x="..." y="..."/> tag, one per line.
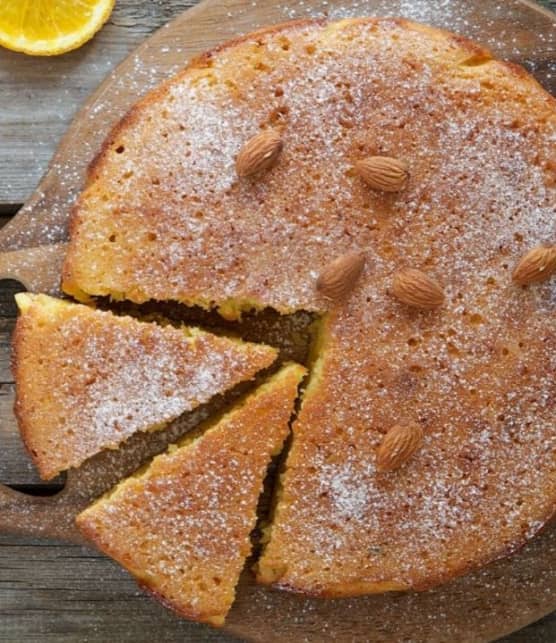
<point x="86" y="379"/>
<point x="182" y="526"/>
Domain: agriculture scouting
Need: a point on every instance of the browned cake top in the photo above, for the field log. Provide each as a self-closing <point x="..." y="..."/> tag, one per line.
<point x="182" y="527"/>
<point x="166" y="217"/>
<point x="164" y="191"/>
<point x="86" y="379"/>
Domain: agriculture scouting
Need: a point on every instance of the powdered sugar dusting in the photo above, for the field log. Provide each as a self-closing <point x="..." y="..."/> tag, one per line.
<point x="113" y="376"/>
<point x="491" y="24"/>
<point x="185" y="147"/>
<point x="183" y="526"/>
<point x="500" y="26"/>
<point x="349" y="498"/>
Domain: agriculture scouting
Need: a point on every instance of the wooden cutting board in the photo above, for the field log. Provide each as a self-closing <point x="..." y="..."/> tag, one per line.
<point x="488" y="604"/>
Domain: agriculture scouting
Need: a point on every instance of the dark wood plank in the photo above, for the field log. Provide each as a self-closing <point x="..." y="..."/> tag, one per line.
<point x="50" y="591"/>
<point x="543" y="631"/>
<point x="55" y="592"/>
<point x="15" y="465"/>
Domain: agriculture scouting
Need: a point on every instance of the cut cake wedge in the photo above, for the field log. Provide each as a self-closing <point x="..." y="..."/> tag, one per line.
<point x="86" y="379"/>
<point x="182" y="526"/>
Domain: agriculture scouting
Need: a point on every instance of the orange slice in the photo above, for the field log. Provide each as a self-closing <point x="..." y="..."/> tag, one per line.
<point x="50" y="27"/>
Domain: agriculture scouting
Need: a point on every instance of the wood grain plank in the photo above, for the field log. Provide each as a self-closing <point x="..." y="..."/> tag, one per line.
<point x="543" y="631"/>
<point x="48" y="91"/>
<point x="50" y="591"/>
<point x="16" y="467"/>
<point x="55" y="592"/>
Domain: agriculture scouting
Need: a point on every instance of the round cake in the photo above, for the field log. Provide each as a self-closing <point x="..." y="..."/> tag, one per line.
<point x="399" y="183"/>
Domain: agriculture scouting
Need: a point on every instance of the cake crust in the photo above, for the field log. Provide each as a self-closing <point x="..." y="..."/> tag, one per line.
<point x="477" y="374"/>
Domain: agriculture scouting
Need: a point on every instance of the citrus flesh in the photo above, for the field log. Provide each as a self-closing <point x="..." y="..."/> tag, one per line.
<point x="50" y="27"/>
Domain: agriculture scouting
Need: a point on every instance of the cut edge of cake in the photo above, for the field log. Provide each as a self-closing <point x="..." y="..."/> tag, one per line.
<point x="285" y="384"/>
<point x="269" y="571"/>
<point x="50" y="307"/>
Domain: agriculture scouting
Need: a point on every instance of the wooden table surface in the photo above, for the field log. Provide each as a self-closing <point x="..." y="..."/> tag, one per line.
<point x="51" y="591"/>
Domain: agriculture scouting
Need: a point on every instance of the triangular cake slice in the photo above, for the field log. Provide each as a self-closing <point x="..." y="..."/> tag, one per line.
<point x="182" y="526"/>
<point x="87" y="379"/>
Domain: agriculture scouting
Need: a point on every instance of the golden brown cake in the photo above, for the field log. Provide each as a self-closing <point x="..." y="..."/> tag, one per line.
<point x="86" y="380"/>
<point x="464" y="386"/>
<point x="182" y="526"/>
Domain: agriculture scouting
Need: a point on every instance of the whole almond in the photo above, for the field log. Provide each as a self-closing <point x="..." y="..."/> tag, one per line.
<point x="398" y="445"/>
<point x="536" y="265"/>
<point x="340" y="276"/>
<point x="259" y="153"/>
<point x="383" y="173"/>
<point x="416" y="288"/>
